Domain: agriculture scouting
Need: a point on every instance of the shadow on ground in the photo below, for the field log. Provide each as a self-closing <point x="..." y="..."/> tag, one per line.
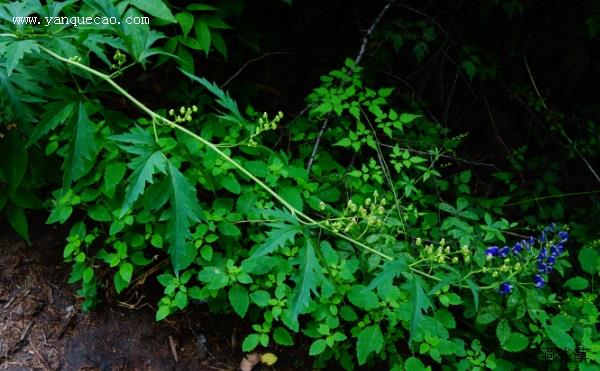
<point x="42" y="327"/>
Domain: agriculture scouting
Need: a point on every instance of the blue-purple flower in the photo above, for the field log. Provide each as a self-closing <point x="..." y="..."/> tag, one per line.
<point x="538" y="281"/>
<point x="544" y="268"/>
<point x="543" y="237"/>
<point x="556" y="250"/>
<point x="563" y="235"/>
<point x="503" y="252"/>
<point x="517" y="248"/>
<point x="491" y="251"/>
<point x="543" y="254"/>
<point x="505" y="288"/>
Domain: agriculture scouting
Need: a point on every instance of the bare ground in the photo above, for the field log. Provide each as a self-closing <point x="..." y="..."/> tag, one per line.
<point x="43" y="327"/>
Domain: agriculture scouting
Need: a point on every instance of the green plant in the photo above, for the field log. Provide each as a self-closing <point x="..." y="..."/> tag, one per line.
<point x="378" y="250"/>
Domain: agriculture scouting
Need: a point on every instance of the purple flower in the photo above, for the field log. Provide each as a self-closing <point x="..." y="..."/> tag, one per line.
<point x="551" y="260"/>
<point x="503" y="252"/>
<point x="517" y="248"/>
<point x="542" y="237"/>
<point x="556" y="250"/>
<point x="491" y="251"/>
<point x="563" y="235"/>
<point x="538" y="281"/>
<point x="552" y="227"/>
<point x="543" y="254"/>
<point x="528" y="243"/>
<point x="505" y="288"/>
<point x="544" y="268"/>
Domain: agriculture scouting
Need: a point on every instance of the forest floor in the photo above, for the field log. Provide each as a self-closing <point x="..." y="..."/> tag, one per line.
<point x="43" y="327"/>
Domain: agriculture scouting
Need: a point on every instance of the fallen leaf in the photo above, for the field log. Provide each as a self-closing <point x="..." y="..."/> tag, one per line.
<point x="268" y="359"/>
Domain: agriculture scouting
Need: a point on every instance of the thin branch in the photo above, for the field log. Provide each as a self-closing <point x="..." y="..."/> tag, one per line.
<point x="246" y="65"/>
<point x="317" y="142"/>
<point x="357" y="60"/>
<point x="365" y="40"/>
<point x="573" y="145"/>
<point x="430" y="153"/>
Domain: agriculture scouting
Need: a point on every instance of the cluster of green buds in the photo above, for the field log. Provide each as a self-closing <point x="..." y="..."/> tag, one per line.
<point x="372" y="211"/>
<point x="443" y="253"/>
<point x="184" y="114"/>
<point x="508" y="266"/>
<point x="119" y="59"/>
<point x="264" y="124"/>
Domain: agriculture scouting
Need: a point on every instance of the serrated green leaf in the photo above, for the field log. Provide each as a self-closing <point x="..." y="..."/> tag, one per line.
<point x="503" y="331"/>
<point x="250" y="342"/>
<point x="99" y="213"/>
<point x="139" y="259"/>
<point x="384" y="280"/>
<point x="445" y="318"/>
<point x="307" y="280"/>
<point x="184" y="210"/>
<point x="576" y="283"/>
<point x="82" y="147"/>
<point x="346" y="142"/>
<point x="119" y="282"/>
<point x="203" y="35"/>
<point x="282" y="336"/>
<point x="515" y="342"/>
<point x="219" y="43"/>
<point x="224" y="100"/>
<point x="156" y="8"/>
<point x="277" y="237"/>
<point x="88" y="274"/>
<point x="144" y="167"/>
<point x="559" y="337"/>
<point x="230" y="183"/>
<point x="15" y="51"/>
<point x="186" y="21"/>
<point x="363" y="297"/>
<point x="588" y="258"/>
<point x="57" y="113"/>
<point x="369" y="340"/>
<point x="238" y="297"/>
<point x="162" y="312"/>
<point x="181" y="300"/>
<point x="228" y="229"/>
<point x="317" y="347"/>
<point x="420" y="303"/>
<point x="413" y="364"/>
<point x="406" y="118"/>
<point x="150" y="160"/>
<point x="113" y="175"/>
<point x="201" y="7"/>
<point x="214" y="22"/>
<point x="292" y="196"/>
<point x="260" y="298"/>
<point x="126" y="271"/>
<point x="206" y="252"/>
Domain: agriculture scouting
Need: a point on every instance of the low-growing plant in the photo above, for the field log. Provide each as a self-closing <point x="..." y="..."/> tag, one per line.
<point x="361" y="243"/>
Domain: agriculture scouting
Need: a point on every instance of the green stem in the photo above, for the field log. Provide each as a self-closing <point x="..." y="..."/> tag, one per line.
<point x="553" y="196"/>
<point x="215" y="148"/>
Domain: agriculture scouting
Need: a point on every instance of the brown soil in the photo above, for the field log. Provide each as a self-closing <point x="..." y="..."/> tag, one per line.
<point x="43" y="327"/>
